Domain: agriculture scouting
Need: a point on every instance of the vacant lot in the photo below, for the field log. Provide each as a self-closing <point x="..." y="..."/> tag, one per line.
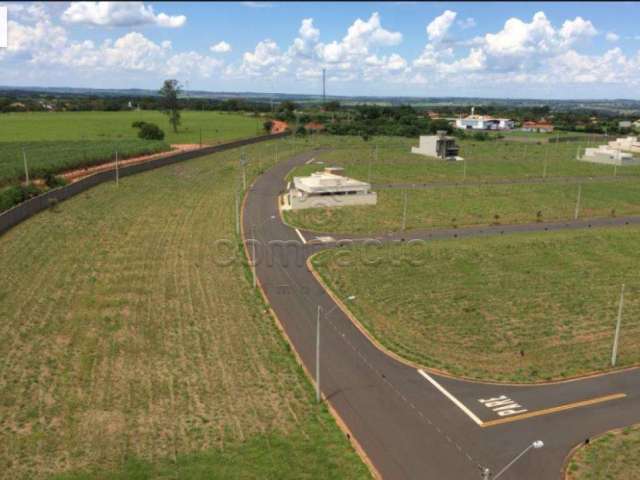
<point x="614" y="456"/>
<point x="521" y="308"/>
<point x="58" y="156"/>
<point x="129" y="351"/>
<point x="216" y="126"/>
<point x="474" y="205"/>
<point x="485" y="161"/>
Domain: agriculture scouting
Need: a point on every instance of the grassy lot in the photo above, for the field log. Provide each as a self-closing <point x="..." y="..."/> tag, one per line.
<point x="485" y="161"/>
<point x="614" y="456"/>
<point x="519" y="308"/>
<point x="474" y="205"/>
<point x="54" y="126"/>
<point x="57" y="156"/>
<point x="129" y="352"/>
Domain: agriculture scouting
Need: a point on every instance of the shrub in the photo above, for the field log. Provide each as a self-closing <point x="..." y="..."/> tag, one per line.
<point x="301" y="131"/>
<point x="150" y="131"/>
<point x="17" y="194"/>
<point x="138" y="124"/>
<point x="267" y="126"/>
<point x="53" y="181"/>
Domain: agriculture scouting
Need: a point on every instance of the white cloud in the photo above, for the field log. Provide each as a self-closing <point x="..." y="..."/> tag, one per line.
<point x="439" y="27"/>
<point x="307" y="31"/>
<point x="257" y="4"/>
<point x="612" y="37"/>
<point x="360" y="36"/>
<point x="469" y="22"/>
<point x="119" y="14"/>
<point x="220" y="47"/>
<point x="576" y="29"/>
<point x="266" y="60"/>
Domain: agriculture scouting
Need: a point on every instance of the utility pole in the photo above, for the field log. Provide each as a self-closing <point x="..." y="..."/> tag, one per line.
<point x="237" y="214"/>
<point x="369" y="173"/>
<point x="200" y="137"/>
<point x="324" y="83"/>
<point x="546" y="157"/>
<point x="26" y="167"/>
<point x="404" y="212"/>
<point x="253" y="257"/>
<point x="614" y="353"/>
<point x="577" y="210"/>
<point x="524" y="152"/>
<point x="117" y="171"/>
<point x="318" y="398"/>
<point x="464" y="170"/>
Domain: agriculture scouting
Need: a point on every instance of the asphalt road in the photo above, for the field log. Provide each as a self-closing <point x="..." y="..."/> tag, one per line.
<point x="409" y="427"/>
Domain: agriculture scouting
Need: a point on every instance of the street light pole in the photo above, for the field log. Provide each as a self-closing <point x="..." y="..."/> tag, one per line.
<point x="26" y="167"/>
<point x="614" y="353"/>
<point x="318" y="356"/>
<point x="536" y="445"/>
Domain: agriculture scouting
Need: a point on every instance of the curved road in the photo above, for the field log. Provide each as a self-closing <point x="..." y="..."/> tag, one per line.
<point x="412" y="424"/>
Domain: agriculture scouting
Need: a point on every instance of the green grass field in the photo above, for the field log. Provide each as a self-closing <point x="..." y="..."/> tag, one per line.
<point x="523" y="308"/>
<point x="129" y="351"/>
<point x="614" y="456"/>
<point x="58" y="156"/>
<point x="113" y="126"/>
<point x="461" y="205"/>
<point x="485" y="161"/>
<point x="474" y="205"/>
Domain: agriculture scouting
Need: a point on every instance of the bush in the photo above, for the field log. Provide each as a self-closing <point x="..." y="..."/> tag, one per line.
<point x="138" y="124"/>
<point x="267" y="126"/>
<point x="150" y="131"/>
<point x="54" y="181"/>
<point x="12" y="196"/>
<point x="301" y="131"/>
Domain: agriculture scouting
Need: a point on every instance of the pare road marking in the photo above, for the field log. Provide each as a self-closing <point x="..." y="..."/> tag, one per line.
<point x="503" y="406"/>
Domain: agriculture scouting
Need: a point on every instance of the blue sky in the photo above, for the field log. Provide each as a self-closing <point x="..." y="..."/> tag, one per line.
<point x="497" y="49"/>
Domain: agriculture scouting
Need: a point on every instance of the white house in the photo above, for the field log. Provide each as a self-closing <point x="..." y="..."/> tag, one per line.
<point x="483" y="122"/>
<point x="627" y="144"/>
<point x="606" y="155"/>
<point x="328" y="188"/>
<point x="439" y="146"/>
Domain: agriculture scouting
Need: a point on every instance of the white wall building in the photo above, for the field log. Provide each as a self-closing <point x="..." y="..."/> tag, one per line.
<point x="626" y="144"/>
<point x="483" y="122"/>
<point x="606" y="155"/>
<point x="439" y="146"/>
<point x="328" y="188"/>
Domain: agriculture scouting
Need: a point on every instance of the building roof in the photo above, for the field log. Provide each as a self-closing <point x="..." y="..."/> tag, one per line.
<point x="323" y="182"/>
<point x="278" y="126"/>
<point x="537" y="124"/>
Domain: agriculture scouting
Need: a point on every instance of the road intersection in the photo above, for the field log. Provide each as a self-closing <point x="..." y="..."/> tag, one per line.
<point x="414" y="423"/>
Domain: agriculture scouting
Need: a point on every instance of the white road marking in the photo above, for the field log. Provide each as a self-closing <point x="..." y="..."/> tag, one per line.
<point x="304" y="241"/>
<point x="503" y="405"/>
<point x="457" y="402"/>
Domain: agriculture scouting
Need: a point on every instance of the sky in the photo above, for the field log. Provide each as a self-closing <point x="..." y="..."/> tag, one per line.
<point x="554" y="50"/>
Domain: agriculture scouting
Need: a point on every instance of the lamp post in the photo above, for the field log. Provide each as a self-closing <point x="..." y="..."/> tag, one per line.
<point x="535" y="445"/>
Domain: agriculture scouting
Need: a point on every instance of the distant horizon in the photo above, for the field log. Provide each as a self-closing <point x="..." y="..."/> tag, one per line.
<point x="319" y="96"/>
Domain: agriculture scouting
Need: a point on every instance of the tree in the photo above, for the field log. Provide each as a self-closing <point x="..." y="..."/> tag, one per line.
<point x="169" y="102"/>
<point x="267" y="126"/>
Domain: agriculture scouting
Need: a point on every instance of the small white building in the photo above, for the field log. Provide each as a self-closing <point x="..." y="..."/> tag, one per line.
<point x="606" y="155"/>
<point x="483" y="122"/>
<point x="626" y="144"/>
<point x="328" y="188"/>
<point x="439" y="146"/>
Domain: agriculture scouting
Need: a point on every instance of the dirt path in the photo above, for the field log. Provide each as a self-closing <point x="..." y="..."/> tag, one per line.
<point x="76" y="174"/>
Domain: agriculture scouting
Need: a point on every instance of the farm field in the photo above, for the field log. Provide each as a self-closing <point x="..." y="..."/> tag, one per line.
<point x="523" y="308"/>
<point x="53" y="157"/>
<point x="613" y="456"/>
<point x="459" y="206"/>
<point x="485" y="161"/>
<point x="129" y="351"/>
<point x="114" y="126"/>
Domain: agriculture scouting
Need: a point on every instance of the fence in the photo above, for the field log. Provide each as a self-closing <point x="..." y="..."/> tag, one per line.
<point x="29" y="208"/>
